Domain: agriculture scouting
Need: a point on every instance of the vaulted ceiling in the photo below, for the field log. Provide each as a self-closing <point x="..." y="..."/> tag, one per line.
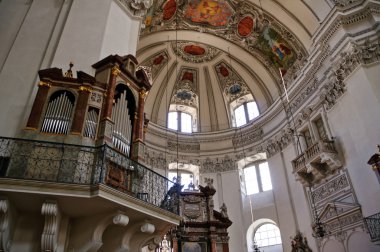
<point x="208" y="53"/>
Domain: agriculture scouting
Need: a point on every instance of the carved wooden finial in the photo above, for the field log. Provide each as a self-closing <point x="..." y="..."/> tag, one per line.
<point x="69" y="72"/>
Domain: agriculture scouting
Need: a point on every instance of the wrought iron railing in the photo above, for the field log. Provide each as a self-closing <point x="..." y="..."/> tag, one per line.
<point x="373" y="226"/>
<point x="66" y="163"/>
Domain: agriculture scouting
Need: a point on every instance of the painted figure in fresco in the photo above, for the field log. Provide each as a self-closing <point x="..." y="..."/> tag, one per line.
<point x="212" y="12"/>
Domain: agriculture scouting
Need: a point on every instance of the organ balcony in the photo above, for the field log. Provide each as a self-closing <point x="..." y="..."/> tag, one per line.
<point x="316" y="163"/>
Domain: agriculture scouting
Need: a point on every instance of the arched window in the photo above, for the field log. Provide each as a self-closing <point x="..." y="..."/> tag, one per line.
<point x="243" y="110"/>
<point x="245" y="113"/>
<point x="257" y="178"/>
<point x="57" y="118"/>
<point x="188" y="173"/>
<point x="182" y="118"/>
<point x="267" y="234"/>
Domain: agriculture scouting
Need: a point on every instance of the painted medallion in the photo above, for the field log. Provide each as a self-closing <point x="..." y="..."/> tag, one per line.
<point x="210" y="12"/>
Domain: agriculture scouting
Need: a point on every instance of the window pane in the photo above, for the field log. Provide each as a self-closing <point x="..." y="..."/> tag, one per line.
<point x="267" y="235"/>
<point x="240" y="116"/>
<point x="265" y="176"/>
<point x="185" y="123"/>
<point x="253" y="111"/>
<point x="173" y="120"/>
<point x="251" y="180"/>
<point x="186" y="178"/>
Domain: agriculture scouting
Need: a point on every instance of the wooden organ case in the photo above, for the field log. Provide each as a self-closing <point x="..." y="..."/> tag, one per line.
<point x="203" y="229"/>
<point x="95" y="111"/>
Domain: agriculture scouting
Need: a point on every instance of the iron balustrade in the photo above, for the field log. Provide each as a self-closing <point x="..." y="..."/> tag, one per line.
<point x="76" y="164"/>
<point x="373" y="226"/>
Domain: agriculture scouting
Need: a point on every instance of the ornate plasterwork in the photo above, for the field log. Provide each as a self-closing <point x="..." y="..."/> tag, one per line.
<point x="231" y="83"/>
<point x="346" y="3"/>
<point x="209" y="54"/>
<point x="215" y="165"/>
<point x="277" y="143"/>
<point x="366" y="53"/>
<point x="183" y="147"/>
<point x="137" y="7"/>
<point x="330" y="188"/>
<point x="278" y="47"/>
<point x="185" y="91"/>
<point x="156" y="63"/>
<point x="248" y="137"/>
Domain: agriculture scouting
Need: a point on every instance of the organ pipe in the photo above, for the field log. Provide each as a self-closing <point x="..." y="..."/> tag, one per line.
<point x="58" y="115"/>
<point x="122" y="124"/>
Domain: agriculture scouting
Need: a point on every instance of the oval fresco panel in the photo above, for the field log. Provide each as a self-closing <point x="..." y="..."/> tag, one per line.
<point x="169" y="9"/>
<point x="211" y="12"/>
<point x="194" y="50"/>
<point x="245" y="26"/>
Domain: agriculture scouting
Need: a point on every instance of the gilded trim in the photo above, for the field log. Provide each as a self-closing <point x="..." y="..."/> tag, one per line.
<point x="44" y="84"/>
<point x="115" y="70"/>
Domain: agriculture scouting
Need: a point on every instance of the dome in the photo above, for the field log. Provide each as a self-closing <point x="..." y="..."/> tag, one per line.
<point x="206" y="58"/>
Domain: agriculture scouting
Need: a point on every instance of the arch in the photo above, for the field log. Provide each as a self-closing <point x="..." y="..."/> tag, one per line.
<point x="360" y="241"/>
<point x="332" y="245"/>
<point x="58" y="112"/>
<point x="252" y="230"/>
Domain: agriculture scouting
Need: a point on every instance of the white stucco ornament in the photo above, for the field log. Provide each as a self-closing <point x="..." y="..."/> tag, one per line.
<point x="140" y="7"/>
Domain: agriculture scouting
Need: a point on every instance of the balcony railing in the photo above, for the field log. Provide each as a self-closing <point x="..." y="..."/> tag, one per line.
<point x="312" y="152"/>
<point x="373" y="226"/>
<point x="75" y="164"/>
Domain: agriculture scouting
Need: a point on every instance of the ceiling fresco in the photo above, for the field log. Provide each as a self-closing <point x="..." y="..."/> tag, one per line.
<point x="186" y="88"/>
<point x="156" y="63"/>
<point x="194" y="52"/>
<point x="239" y="22"/>
<point x="231" y="83"/>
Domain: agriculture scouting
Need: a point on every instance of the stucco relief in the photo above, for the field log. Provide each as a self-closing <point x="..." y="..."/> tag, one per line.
<point x="247" y="138"/>
<point x="330" y="188"/>
<point x="215" y="165"/>
<point x="346" y="3"/>
<point x="366" y="53"/>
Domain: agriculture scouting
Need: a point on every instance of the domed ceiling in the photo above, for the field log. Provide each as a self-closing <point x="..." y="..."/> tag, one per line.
<point x="206" y="54"/>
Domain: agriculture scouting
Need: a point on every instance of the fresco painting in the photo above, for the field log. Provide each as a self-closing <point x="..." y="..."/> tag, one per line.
<point x="169" y="9"/>
<point x="276" y="48"/>
<point x="194" y="50"/>
<point x="245" y="26"/>
<point x="210" y="12"/>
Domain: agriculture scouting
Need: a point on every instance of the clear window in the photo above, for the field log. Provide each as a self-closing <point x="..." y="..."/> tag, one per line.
<point x="257" y="178"/>
<point x="182" y="121"/>
<point x="245" y="113"/>
<point x="186" y="123"/>
<point x="186" y="178"/>
<point x="173" y="120"/>
<point x="268" y="235"/>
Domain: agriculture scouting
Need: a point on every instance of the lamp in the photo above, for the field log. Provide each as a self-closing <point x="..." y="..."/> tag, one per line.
<point x="374" y="161"/>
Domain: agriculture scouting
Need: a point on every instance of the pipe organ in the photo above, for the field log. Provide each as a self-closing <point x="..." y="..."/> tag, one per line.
<point x="58" y="113"/>
<point x="91" y="123"/>
<point x="107" y="108"/>
<point x="122" y="130"/>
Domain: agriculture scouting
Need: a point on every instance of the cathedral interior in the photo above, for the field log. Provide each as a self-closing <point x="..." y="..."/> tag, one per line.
<point x="189" y="125"/>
